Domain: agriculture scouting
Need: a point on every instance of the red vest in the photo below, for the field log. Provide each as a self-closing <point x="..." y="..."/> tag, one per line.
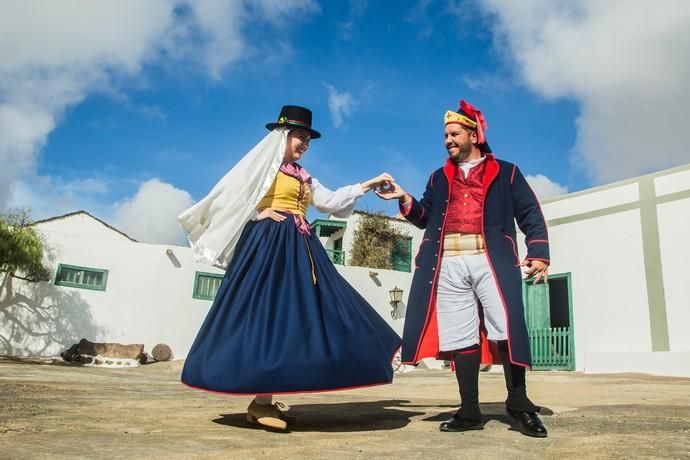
<point x="466" y="199"/>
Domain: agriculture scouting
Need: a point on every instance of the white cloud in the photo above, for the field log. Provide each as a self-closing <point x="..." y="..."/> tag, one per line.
<point x="624" y="62"/>
<point x="346" y="29"/>
<point x="150" y="216"/>
<point x="419" y="14"/>
<point x="47" y="196"/>
<point x="486" y="82"/>
<point x="340" y="103"/>
<point x="54" y="54"/>
<point x="544" y="187"/>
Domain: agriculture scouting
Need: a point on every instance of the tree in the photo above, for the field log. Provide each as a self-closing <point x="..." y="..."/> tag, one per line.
<point x="374" y="242"/>
<point x="21" y="248"/>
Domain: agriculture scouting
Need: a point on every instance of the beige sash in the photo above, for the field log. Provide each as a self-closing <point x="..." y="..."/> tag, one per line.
<point x="462" y="244"/>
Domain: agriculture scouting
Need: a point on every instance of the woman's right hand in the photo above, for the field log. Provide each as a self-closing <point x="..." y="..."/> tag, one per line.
<point x="270" y="213"/>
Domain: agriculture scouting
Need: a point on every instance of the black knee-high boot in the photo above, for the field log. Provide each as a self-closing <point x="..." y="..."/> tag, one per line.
<point x="515" y="383"/>
<point x="467" y="372"/>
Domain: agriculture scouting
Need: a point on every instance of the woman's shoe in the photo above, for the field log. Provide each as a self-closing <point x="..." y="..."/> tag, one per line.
<point x="289" y="419"/>
<point x="266" y="415"/>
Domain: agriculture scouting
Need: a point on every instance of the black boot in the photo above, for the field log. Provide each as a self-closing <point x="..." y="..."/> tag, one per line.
<point x="468" y="417"/>
<point x="518" y="404"/>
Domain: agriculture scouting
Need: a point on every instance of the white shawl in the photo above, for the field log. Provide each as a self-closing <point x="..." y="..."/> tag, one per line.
<point x="216" y="222"/>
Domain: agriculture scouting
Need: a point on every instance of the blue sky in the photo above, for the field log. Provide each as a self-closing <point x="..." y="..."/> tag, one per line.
<point x="132" y="112"/>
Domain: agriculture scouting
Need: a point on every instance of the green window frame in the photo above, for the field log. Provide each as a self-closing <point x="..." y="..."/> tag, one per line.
<point x="75" y="276"/>
<point x="206" y="285"/>
<point x="402" y="255"/>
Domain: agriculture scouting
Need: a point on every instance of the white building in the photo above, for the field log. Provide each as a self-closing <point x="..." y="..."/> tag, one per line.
<point x="108" y="287"/>
<point x="618" y="298"/>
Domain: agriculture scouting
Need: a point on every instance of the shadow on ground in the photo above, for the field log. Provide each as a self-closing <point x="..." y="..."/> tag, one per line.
<point x="494" y="411"/>
<point x="341" y="417"/>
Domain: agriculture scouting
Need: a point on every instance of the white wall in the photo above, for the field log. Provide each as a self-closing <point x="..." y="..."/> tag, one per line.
<point x="609" y="294"/>
<point x="81" y="225"/>
<point x="373" y="284"/>
<point x="148" y="297"/>
<point x="605" y="256"/>
<point x="674" y="239"/>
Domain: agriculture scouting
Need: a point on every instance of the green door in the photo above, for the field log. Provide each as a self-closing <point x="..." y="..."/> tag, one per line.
<point x="538" y="315"/>
<point x="548" y="314"/>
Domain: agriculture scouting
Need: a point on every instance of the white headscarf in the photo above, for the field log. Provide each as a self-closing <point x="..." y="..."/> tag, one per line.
<point x="215" y="223"/>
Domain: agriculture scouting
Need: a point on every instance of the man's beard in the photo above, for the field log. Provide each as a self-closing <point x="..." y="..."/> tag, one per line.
<point x="464" y="151"/>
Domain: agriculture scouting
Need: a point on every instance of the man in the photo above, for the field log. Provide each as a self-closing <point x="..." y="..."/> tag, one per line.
<point x="467" y="285"/>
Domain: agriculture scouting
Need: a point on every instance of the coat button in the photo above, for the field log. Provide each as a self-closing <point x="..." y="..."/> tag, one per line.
<point x="431" y="282"/>
<point x="439" y="228"/>
<point x="433" y="269"/>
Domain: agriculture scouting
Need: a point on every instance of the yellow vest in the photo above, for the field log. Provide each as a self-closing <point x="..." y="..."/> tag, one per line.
<point x="284" y="195"/>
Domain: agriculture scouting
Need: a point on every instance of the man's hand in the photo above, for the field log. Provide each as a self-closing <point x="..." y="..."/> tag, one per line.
<point x="536" y="268"/>
<point x="270" y="213"/>
<point x="377" y="181"/>
<point x="390" y="191"/>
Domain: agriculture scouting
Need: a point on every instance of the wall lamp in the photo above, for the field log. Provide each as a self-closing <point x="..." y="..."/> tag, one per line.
<point x="396" y="297"/>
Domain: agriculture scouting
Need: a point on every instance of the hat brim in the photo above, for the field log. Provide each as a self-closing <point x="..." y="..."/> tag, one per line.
<point x="314" y="134"/>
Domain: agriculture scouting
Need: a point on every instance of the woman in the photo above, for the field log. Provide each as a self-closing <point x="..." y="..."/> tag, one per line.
<point x="283" y="320"/>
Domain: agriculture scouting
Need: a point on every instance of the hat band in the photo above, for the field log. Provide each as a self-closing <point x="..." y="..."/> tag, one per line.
<point x="300" y="123"/>
<point x="286" y="121"/>
<point x="454" y="117"/>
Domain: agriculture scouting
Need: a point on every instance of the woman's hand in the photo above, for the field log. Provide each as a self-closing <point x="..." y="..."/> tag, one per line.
<point x="270" y="213"/>
<point x="377" y="181"/>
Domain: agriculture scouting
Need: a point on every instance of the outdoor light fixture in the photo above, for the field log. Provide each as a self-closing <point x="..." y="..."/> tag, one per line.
<point x="396" y="297"/>
<point x="173" y="258"/>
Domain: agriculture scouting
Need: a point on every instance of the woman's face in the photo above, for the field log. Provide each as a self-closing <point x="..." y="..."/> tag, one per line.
<point x="297" y="144"/>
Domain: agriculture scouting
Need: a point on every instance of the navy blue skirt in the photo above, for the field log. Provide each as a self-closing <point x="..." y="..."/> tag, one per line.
<point x="272" y="329"/>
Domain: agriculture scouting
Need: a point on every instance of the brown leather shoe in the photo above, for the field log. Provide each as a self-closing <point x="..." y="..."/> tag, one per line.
<point x="266" y="415"/>
<point x="289" y="419"/>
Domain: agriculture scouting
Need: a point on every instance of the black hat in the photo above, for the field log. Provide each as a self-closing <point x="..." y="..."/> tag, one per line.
<point x="297" y="117"/>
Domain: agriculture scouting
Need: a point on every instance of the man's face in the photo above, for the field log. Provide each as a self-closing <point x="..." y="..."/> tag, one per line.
<point x="297" y="144"/>
<point x="458" y="142"/>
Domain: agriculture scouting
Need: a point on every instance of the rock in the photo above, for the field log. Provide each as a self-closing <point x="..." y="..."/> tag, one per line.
<point x="162" y="352"/>
<point x="85" y="350"/>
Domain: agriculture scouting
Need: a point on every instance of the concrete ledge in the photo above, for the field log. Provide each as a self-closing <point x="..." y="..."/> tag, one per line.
<point x="672" y="363"/>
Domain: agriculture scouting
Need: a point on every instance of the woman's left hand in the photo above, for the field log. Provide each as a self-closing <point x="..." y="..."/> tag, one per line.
<point x="381" y="179"/>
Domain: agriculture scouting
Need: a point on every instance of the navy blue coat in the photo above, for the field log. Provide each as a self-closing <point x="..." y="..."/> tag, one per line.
<point x="507" y="199"/>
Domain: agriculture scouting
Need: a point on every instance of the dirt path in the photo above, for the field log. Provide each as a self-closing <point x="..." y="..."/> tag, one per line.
<point x="58" y="411"/>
